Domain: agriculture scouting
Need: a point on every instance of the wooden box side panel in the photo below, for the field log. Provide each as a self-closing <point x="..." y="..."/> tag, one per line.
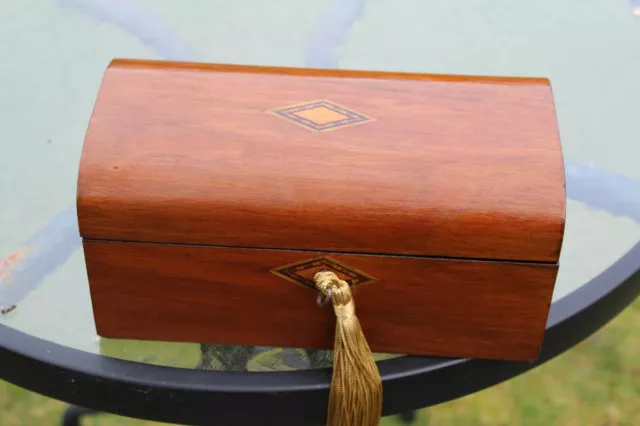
<point x="417" y="306"/>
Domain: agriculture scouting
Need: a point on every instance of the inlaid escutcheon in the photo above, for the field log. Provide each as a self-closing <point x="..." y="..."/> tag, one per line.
<point x="303" y="272"/>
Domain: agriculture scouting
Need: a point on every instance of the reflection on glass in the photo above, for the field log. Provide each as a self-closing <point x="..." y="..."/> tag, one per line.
<point x="24" y="270"/>
<point x="140" y="22"/>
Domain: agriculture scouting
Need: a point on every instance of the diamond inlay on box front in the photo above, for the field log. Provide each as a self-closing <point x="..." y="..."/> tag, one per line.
<point x="303" y="272"/>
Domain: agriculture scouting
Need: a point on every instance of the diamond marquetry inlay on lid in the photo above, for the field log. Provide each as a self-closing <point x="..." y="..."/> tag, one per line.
<point x="321" y="116"/>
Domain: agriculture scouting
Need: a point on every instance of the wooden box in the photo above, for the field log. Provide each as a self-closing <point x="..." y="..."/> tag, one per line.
<point x="209" y="195"/>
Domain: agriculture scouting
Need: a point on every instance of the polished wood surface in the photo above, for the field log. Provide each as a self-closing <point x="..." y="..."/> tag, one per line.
<point x="454" y="166"/>
<point x="423" y="306"/>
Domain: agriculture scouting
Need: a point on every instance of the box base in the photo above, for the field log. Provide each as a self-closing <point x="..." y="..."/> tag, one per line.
<point x="407" y="305"/>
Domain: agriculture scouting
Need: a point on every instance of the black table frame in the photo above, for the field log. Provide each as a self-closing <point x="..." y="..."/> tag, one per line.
<point x="294" y="397"/>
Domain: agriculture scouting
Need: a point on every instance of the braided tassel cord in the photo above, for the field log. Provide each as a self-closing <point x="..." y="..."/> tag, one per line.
<point x="356" y="388"/>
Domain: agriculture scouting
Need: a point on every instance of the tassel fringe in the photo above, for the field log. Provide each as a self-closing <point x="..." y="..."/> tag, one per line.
<point x="356" y="388"/>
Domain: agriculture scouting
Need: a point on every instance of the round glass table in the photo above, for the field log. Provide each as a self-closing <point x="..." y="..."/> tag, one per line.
<point x="55" y="54"/>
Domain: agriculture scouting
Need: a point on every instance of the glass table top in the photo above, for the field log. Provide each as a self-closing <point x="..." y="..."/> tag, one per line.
<point x="54" y="54"/>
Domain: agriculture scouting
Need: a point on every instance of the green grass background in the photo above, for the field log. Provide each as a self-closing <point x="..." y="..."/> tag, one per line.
<point x="596" y="383"/>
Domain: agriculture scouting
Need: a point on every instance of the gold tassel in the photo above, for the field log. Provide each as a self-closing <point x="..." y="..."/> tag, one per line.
<point x="356" y="388"/>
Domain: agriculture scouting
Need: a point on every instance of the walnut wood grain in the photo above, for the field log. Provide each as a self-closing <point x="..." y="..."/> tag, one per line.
<point x="418" y="305"/>
<point x="454" y="166"/>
